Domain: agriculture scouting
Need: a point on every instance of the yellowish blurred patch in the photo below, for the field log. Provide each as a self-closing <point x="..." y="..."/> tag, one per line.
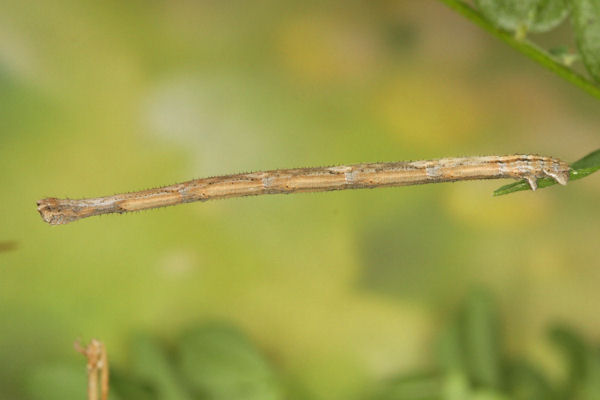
<point x="547" y="262"/>
<point x="426" y="110"/>
<point x="472" y="203"/>
<point x="325" y="49"/>
<point x="177" y="263"/>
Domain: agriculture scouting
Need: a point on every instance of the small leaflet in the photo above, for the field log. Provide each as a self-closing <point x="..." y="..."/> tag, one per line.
<point x="586" y="23"/>
<point x="523" y="16"/>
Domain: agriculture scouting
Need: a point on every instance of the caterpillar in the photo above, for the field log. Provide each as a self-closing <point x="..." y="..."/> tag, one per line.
<point x="356" y="176"/>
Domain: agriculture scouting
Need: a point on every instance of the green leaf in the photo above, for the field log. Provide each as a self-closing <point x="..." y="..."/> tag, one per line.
<point x="424" y="386"/>
<point x="470" y="345"/>
<point x="150" y="363"/>
<point x="526" y="47"/>
<point x="592" y="160"/>
<point x="486" y="394"/>
<point x="218" y="362"/>
<point x="574" y="350"/>
<point x="591" y="385"/>
<point x="586" y="23"/>
<point x="482" y="340"/>
<point x="131" y="388"/>
<point x="456" y="387"/>
<point x="525" y="382"/>
<point x="549" y="14"/>
<point x="524" y="15"/>
<point x="450" y="348"/>
<point x="583" y="365"/>
<point x="579" y="169"/>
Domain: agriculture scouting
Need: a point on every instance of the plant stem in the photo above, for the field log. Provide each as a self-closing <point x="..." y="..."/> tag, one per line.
<point x="526" y="47"/>
<point x="95" y="353"/>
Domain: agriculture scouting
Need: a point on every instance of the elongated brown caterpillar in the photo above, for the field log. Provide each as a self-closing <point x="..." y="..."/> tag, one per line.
<point x="357" y="176"/>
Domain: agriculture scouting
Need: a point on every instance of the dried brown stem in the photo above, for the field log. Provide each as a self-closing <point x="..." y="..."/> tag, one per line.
<point x="97" y="360"/>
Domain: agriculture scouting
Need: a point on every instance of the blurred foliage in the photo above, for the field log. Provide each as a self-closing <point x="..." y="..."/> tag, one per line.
<point x="520" y="17"/>
<point x="579" y="169"/>
<point x="586" y="22"/>
<point x="527" y="15"/>
<point x="56" y="382"/>
<point x="212" y="361"/>
<point x="215" y="361"/>
<point x="473" y="364"/>
<point x="219" y="362"/>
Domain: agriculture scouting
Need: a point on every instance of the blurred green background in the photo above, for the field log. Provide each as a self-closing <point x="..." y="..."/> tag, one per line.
<point x="337" y="292"/>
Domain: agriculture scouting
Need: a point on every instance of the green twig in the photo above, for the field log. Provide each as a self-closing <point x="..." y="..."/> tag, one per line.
<point x="526" y="47"/>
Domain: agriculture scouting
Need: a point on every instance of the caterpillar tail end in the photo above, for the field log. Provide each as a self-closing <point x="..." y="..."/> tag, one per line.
<point x="560" y="177"/>
<point x="559" y="171"/>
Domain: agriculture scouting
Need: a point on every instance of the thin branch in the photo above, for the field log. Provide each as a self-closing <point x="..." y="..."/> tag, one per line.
<point x="526" y="47"/>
